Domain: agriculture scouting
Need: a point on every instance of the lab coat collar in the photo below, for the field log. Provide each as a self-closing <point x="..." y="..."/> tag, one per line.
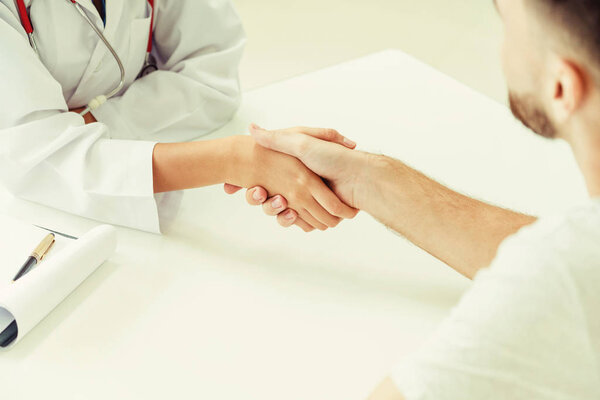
<point x="92" y="12"/>
<point x="113" y="15"/>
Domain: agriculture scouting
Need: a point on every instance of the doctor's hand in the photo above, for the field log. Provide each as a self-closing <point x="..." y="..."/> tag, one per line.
<point x="302" y="196"/>
<point x="274" y="206"/>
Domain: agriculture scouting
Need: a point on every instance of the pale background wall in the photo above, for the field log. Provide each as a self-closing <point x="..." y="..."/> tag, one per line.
<point x="290" y="37"/>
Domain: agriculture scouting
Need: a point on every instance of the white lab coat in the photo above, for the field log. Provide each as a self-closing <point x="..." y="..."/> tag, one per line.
<point x="104" y="170"/>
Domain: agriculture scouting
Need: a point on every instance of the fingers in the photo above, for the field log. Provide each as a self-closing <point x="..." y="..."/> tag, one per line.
<point x="274" y="205"/>
<point x="256" y="196"/>
<point x="329" y="135"/>
<point x="321" y="214"/>
<point x="290" y="217"/>
<point x="308" y="218"/>
<point x="277" y="206"/>
<point x="302" y="224"/>
<point x="231" y="189"/>
<point x="331" y="203"/>
<point x="322" y="205"/>
<point x="284" y="142"/>
<point x="287" y="218"/>
<point x="291" y="137"/>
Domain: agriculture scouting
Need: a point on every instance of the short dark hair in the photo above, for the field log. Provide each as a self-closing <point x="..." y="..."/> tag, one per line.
<point x="579" y="20"/>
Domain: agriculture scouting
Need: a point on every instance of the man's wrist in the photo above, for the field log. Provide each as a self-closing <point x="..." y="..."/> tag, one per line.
<point x="371" y="169"/>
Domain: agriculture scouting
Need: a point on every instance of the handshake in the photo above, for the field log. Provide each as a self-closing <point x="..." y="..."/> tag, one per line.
<point x="308" y="177"/>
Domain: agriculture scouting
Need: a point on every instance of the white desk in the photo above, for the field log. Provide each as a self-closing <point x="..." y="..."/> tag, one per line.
<point x="228" y="305"/>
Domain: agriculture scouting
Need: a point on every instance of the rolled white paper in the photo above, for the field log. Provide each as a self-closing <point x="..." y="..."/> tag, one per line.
<point x="35" y="295"/>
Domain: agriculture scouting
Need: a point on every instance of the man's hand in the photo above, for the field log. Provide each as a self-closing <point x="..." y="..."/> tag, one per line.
<point x="281" y="173"/>
<point x="277" y="205"/>
<point x="461" y="231"/>
<point x="320" y="152"/>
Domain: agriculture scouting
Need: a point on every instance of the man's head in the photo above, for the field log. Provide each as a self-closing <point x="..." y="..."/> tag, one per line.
<point x="551" y="59"/>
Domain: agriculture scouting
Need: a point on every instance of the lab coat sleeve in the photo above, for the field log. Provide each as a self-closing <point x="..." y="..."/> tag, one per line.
<point x="198" y="45"/>
<point x="49" y="156"/>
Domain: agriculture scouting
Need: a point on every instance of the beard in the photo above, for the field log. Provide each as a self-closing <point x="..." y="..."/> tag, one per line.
<point x="526" y="110"/>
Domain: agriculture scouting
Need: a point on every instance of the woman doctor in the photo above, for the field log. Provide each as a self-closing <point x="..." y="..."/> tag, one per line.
<point x="105" y="163"/>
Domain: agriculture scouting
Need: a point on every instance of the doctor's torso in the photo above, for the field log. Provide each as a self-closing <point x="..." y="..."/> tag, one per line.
<point x="104" y="170"/>
<point x="73" y="53"/>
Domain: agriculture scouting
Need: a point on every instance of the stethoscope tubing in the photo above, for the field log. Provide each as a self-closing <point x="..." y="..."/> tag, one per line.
<point x="99" y="100"/>
<point x="118" y="88"/>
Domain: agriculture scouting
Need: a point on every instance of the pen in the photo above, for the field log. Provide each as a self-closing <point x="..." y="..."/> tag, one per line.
<point x="36" y="256"/>
<point x="8" y="335"/>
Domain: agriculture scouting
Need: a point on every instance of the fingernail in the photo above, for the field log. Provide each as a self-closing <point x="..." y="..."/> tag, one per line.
<point x="277" y="203"/>
<point x="257" y="195"/>
<point x="289" y="215"/>
<point x="254" y="126"/>
<point x="349" y="142"/>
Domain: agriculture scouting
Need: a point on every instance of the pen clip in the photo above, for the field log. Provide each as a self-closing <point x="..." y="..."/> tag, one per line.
<point x="47" y="250"/>
<point x="57" y="233"/>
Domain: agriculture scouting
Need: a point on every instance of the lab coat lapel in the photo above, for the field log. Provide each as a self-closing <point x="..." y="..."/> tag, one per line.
<point x="91" y="10"/>
<point x="114" y="13"/>
<point x="114" y="10"/>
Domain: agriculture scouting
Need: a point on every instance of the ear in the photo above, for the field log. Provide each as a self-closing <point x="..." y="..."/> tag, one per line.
<point x="568" y="89"/>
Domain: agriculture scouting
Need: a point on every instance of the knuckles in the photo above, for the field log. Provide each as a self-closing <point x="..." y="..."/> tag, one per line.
<point x="331" y="135"/>
<point x="301" y="182"/>
<point x="303" y="145"/>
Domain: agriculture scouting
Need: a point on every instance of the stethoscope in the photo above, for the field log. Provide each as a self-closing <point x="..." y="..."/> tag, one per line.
<point x="149" y="65"/>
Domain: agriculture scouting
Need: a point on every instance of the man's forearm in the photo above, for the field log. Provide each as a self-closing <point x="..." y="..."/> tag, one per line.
<point x="463" y="232"/>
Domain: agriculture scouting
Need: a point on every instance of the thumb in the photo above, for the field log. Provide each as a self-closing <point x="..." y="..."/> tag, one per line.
<point x="285" y="142"/>
<point x="231" y="189"/>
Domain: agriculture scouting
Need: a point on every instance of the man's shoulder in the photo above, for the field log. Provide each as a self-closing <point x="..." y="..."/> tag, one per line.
<point x="570" y="236"/>
<point x="560" y="247"/>
<point x="530" y="317"/>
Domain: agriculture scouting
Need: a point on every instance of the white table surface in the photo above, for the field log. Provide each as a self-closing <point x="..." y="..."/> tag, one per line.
<point x="227" y="305"/>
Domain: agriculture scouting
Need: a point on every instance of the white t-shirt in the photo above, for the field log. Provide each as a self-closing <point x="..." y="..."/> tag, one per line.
<point x="529" y="327"/>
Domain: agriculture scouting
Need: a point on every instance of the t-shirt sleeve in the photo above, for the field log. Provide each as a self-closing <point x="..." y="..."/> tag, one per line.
<point x="518" y="333"/>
